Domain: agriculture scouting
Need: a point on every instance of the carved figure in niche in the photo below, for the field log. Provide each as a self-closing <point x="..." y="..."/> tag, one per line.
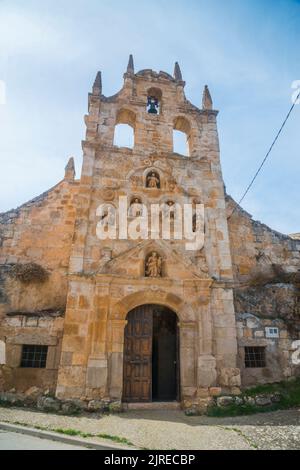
<point x="153" y="180"/>
<point x="109" y="217"/>
<point x="135" y="208"/>
<point x="170" y="209"/>
<point x="153" y="265"/>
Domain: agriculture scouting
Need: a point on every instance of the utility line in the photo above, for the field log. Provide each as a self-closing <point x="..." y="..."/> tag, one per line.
<point x="264" y="160"/>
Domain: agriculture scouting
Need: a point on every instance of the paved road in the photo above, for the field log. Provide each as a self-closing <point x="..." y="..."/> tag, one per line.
<point x="17" y="441"/>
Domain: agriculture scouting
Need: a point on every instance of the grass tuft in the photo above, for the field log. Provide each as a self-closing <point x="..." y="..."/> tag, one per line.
<point x="120" y="440"/>
<point x="76" y="432"/>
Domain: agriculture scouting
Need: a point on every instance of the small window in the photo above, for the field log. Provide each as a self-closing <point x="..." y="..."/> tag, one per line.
<point x="255" y="356"/>
<point x="272" y="332"/>
<point x="34" y="356"/>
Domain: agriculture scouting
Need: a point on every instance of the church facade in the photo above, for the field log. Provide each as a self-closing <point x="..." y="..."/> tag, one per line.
<point x="88" y="312"/>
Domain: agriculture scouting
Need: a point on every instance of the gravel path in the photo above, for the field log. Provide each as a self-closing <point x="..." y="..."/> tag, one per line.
<point x="173" y="430"/>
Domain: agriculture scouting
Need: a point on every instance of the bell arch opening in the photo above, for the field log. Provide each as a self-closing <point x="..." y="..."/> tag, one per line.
<point x="151" y="367"/>
<point x="182" y="142"/>
<point x="154" y="101"/>
<point x="124" y="131"/>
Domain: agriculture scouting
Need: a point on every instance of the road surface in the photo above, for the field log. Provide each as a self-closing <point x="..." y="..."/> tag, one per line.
<point x="16" y="441"/>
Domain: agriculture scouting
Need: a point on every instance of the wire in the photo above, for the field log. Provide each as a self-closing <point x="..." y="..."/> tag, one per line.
<point x="264" y="160"/>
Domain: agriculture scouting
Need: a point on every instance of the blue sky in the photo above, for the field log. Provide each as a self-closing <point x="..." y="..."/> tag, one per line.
<point x="247" y="51"/>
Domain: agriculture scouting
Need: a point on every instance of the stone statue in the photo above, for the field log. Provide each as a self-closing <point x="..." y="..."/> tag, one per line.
<point x="135" y="208"/>
<point x="153" y="181"/>
<point x="153" y="265"/>
<point x="171" y="209"/>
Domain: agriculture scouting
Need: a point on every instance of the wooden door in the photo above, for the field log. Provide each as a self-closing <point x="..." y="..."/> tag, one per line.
<point x="137" y="373"/>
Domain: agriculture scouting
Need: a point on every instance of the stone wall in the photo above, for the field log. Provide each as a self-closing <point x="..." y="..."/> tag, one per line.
<point x="266" y="266"/>
<point x="38" y="232"/>
<point x="259" y="254"/>
<point x="279" y="349"/>
<point x="39" y="329"/>
<point x="35" y="243"/>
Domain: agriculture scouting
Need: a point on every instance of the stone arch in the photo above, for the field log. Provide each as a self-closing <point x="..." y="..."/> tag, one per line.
<point x="124" y="131"/>
<point x="136" y="200"/>
<point x="182" y="125"/>
<point x="183" y="310"/>
<point x="126" y="116"/>
<point x="188" y="334"/>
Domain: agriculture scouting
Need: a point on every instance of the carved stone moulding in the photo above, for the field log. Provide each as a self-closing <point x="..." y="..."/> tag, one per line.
<point x="108" y="194"/>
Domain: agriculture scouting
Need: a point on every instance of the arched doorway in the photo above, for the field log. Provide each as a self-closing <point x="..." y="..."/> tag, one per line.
<point x="151" y="355"/>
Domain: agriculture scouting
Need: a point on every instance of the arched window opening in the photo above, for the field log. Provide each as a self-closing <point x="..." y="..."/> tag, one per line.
<point x="182" y="136"/>
<point x="180" y="143"/>
<point x="124" y="129"/>
<point x="153" y="180"/>
<point x="154" y="96"/>
<point x="124" y="136"/>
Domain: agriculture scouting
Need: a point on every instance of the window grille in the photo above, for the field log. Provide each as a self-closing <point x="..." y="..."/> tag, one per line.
<point x="255" y="356"/>
<point x="34" y="356"/>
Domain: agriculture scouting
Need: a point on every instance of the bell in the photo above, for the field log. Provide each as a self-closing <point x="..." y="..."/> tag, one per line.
<point x="152" y="105"/>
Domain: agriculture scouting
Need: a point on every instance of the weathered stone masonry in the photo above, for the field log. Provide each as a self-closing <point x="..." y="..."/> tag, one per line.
<point x="245" y="279"/>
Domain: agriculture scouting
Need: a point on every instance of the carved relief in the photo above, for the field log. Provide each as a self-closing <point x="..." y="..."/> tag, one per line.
<point x="150" y="161"/>
<point x="196" y="201"/>
<point x="201" y="263"/>
<point x="136" y="181"/>
<point x="108" y="194"/>
<point x="155" y="160"/>
<point x="153" y="267"/>
<point x="172" y="184"/>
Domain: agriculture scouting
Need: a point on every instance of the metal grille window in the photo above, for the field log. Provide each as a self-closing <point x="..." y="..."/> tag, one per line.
<point x="255" y="356"/>
<point x="34" y="356"/>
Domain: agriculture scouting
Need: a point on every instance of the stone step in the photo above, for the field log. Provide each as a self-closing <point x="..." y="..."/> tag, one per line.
<point x="154" y="405"/>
